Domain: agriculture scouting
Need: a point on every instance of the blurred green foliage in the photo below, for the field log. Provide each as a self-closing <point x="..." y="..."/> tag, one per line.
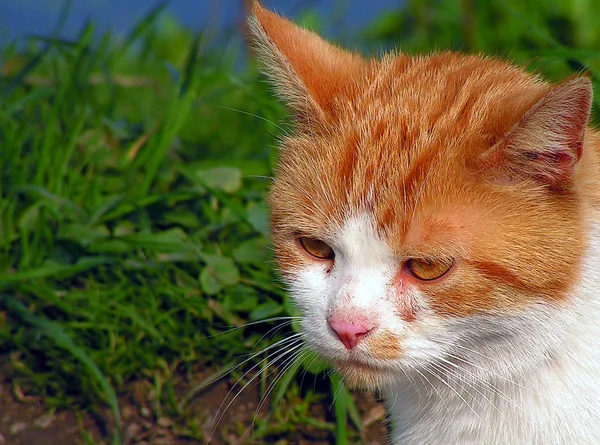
<point x="555" y="38"/>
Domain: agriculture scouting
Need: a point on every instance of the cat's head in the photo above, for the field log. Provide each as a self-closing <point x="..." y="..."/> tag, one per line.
<point x="423" y="201"/>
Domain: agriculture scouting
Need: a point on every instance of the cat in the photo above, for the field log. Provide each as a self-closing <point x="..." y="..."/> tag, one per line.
<point x="437" y="221"/>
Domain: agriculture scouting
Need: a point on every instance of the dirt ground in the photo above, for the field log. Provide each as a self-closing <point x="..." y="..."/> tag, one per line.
<point x="24" y="420"/>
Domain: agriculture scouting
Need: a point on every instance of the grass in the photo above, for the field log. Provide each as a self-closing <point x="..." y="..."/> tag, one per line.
<point x="133" y="223"/>
<point x="129" y="218"/>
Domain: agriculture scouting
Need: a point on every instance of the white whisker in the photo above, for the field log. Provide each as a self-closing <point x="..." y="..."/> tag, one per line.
<point x="221" y="411"/>
<point x="266" y="320"/>
<point x="253" y="115"/>
<point x="495" y="390"/>
<point x="441" y="379"/>
<point x="459" y="380"/>
<point x="287" y="364"/>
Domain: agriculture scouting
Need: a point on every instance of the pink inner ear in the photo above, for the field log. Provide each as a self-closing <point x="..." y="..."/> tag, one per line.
<point x="548" y="141"/>
<point x="577" y="138"/>
<point x="564" y="160"/>
<point x="559" y="165"/>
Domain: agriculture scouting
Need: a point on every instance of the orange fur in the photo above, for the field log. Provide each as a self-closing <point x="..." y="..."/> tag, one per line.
<point x="454" y="156"/>
<point x="386" y="346"/>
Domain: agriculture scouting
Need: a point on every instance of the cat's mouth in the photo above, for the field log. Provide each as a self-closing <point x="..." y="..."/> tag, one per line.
<point x="360" y="375"/>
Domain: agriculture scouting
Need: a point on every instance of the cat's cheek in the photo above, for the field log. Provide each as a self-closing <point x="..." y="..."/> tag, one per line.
<point x="426" y="339"/>
<point x="308" y="286"/>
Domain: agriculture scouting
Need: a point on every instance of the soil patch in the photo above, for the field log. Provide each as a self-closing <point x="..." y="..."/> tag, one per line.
<point x="24" y="420"/>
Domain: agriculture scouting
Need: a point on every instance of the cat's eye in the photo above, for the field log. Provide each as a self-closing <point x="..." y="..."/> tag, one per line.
<point x="317" y="248"/>
<point x="427" y="270"/>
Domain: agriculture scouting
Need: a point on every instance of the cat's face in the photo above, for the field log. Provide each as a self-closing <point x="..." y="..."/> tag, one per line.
<point x="423" y="203"/>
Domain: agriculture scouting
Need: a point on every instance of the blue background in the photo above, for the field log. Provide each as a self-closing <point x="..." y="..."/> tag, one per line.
<point x="19" y="18"/>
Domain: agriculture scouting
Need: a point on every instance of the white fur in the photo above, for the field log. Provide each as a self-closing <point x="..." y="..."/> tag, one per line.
<point x="528" y="378"/>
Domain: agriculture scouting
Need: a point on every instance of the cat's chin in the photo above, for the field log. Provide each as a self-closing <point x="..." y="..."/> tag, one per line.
<point x="361" y="376"/>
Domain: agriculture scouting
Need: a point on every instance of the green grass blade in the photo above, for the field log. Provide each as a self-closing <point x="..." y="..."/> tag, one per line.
<point x="18" y="80"/>
<point x="55" y="270"/>
<point x="31" y="98"/>
<point x="143" y="25"/>
<point x="57" y="334"/>
<point x="340" y="405"/>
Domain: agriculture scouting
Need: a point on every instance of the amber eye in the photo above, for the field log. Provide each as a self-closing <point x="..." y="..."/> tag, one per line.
<point x="317" y="248"/>
<point x="428" y="269"/>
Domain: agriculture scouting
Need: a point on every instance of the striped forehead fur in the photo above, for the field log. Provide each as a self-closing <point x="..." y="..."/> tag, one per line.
<point x="403" y="139"/>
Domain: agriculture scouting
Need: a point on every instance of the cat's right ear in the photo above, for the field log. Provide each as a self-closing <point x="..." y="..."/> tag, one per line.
<point x="308" y="72"/>
<point x="547" y="143"/>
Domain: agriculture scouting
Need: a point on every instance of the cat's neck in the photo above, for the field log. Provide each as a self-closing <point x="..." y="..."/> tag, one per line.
<point x="533" y="389"/>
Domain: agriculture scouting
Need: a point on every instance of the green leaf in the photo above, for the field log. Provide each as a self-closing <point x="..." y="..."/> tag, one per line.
<point x="266" y="310"/>
<point x="290" y="306"/>
<point x="108" y="204"/>
<point x="110" y="246"/>
<point x="226" y="179"/>
<point x="185" y="219"/>
<point x="172" y="240"/>
<point x="222" y="268"/>
<point x="55" y="203"/>
<point x="252" y="251"/>
<point x="82" y="234"/>
<point x="29" y="217"/>
<point x="314" y="363"/>
<point x="352" y="409"/>
<point x="286" y="379"/>
<point x="35" y="96"/>
<point x="241" y="298"/>
<point x="223" y="313"/>
<point x="208" y="281"/>
<point x="124" y="227"/>
<point x="258" y="217"/>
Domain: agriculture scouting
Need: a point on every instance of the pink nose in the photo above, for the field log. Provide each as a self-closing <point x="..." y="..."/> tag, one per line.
<point x="349" y="333"/>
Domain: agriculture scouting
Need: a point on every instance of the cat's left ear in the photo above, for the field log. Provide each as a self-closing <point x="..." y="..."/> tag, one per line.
<point x="547" y="143"/>
<point x="308" y="72"/>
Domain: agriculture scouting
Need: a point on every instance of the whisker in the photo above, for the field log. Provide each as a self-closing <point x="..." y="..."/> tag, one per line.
<point x="252" y="380"/>
<point x="474" y="351"/>
<point x="304" y="371"/>
<point x="336" y="394"/>
<point x="411" y="381"/>
<point x="253" y="354"/>
<point x="440" y="378"/>
<point x="266" y="320"/>
<point x="272" y="330"/>
<point x="468" y="385"/>
<point x="435" y="390"/>
<point x="495" y="390"/>
<point x="280" y="343"/>
<point x="268" y="178"/>
<point x="414" y="368"/>
<point x="221" y="411"/>
<point x="262" y="118"/>
<point x="191" y="393"/>
<point x="285" y="367"/>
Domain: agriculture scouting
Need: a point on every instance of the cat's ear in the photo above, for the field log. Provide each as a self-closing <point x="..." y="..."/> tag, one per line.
<point x="547" y="142"/>
<point x="307" y="71"/>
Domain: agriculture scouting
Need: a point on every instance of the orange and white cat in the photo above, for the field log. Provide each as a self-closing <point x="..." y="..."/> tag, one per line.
<point x="437" y="219"/>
